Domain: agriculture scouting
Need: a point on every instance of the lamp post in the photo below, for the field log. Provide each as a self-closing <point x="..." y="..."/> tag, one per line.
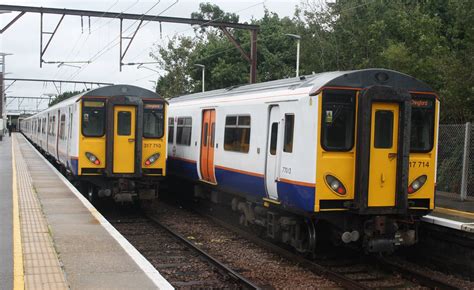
<point x="298" y="39"/>
<point x="203" y="68"/>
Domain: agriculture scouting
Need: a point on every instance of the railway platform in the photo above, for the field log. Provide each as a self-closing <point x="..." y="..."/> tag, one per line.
<point x="53" y="238"/>
<point x="452" y="213"/>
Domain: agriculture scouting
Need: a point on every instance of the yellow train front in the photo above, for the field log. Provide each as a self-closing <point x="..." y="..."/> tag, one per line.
<point x="121" y="144"/>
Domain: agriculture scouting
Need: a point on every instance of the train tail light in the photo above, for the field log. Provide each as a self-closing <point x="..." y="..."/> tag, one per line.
<point x="335" y="185"/>
<point x="417" y="184"/>
<point x="152" y="159"/>
<point x="92" y="158"/>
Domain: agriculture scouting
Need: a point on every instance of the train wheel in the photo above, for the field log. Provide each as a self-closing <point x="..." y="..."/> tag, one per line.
<point x="310" y="244"/>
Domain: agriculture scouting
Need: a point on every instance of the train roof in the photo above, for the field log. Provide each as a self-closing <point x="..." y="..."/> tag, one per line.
<point x="106" y="91"/>
<point x="315" y="82"/>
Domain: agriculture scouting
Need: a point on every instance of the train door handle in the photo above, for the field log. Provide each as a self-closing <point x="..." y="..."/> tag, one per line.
<point x="131" y="140"/>
<point x="392" y="156"/>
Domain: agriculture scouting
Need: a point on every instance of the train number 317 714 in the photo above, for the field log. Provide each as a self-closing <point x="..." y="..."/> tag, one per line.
<point x="418" y="164"/>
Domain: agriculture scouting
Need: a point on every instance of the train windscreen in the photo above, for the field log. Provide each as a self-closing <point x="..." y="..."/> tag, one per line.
<point x="422" y="124"/>
<point x="153" y="121"/>
<point x="93" y="118"/>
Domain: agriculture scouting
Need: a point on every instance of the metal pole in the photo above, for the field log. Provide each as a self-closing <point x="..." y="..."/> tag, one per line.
<point x="298" y="58"/>
<point x="465" y="162"/>
<point x="253" y="56"/>
<point x="203" y="77"/>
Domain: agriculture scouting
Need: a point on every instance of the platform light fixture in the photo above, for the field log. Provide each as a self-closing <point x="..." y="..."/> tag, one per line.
<point x="298" y="39"/>
<point x="203" y="68"/>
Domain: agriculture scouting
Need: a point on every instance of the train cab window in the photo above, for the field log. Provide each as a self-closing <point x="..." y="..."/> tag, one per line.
<point x="422" y="124"/>
<point x="93" y="118"/>
<point x="383" y="133"/>
<point x="183" y="133"/>
<point x="289" y="130"/>
<point x="338" y="119"/>
<point x="237" y="133"/>
<point x="153" y="122"/>
<point x="124" y="123"/>
<point x="170" y="130"/>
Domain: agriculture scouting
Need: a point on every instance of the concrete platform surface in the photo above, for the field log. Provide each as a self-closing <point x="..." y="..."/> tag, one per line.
<point x="6" y="220"/>
<point x="66" y="243"/>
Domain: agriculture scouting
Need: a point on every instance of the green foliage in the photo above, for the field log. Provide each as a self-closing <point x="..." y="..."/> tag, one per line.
<point x="63" y="96"/>
<point x="430" y="40"/>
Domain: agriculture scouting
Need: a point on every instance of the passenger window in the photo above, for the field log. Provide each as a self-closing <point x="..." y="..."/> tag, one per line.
<point x="213" y="129"/>
<point x="337" y="120"/>
<point x="170" y="130"/>
<point x="422" y="124"/>
<point x="183" y="133"/>
<point x="289" y="129"/>
<point x="274" y="138"/>
<point x="237" y="133"/>
<point x="124" y="123"/>
<point x="383" y="135"/>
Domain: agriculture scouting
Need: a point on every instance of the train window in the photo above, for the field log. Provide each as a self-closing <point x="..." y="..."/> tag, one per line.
<point x="124" y="123"/>
<point x="213" y="133"/>
<point x="289" y="130"/>
<point x="274" y="138"/>
<point x="153" y="122"/>
<point x="237" y="133"/>
<point x="53" y="127"/>
<point x="183" y="133"/>
<point x="383" y="135"/>
<point x="62" y="127"/>
<point x="170" y="130"/>
<point x="422" y="124"/>
<point x="337" y="120"/>
<point x="204" y="134"/>
<point x="43" y="129"/>
<point x="93" y="118"/>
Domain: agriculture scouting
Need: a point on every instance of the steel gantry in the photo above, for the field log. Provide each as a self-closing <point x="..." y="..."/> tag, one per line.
<point x="251" y="57"/>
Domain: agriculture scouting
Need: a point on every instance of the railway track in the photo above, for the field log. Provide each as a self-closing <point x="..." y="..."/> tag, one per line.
<point x="353" y="272"/>
<point x="177" y="258"/>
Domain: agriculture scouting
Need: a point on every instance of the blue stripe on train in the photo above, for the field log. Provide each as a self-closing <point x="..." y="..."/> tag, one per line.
<point x="291" y="195"/>
<point x="296" y="196"/>
<point x="239" y="182"/>
<point x="181" y="167"/>
<point x="73" y="165"/>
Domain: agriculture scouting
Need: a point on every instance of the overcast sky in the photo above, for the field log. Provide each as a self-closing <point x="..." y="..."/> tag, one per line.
<point x="72" y="44"/>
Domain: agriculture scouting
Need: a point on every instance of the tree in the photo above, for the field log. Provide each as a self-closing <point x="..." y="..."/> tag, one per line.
<point x="64" y="96"/>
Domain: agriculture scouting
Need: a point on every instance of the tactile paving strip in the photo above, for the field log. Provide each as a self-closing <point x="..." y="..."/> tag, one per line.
<point x="41" y="263"/>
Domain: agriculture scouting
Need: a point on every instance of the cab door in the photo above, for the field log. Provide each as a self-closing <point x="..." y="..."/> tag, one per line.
<point x="124" y="139"/>
<point x="272" y="166"/>
<point x="383" y="154"/>
<point x="207" y="145"/>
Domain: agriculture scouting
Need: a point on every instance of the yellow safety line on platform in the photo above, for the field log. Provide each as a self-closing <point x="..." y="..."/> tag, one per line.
<point x="453" y="211"/>
<point x="18" y="272"/>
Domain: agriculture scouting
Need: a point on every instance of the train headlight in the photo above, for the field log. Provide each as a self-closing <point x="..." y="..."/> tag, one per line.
<point x="417" y="184"/>
<point x="335" y="185"/>
<point x="92" y="158"/>
<point x="152" y="159"/>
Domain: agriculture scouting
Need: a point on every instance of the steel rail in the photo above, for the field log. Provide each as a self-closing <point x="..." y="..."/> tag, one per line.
<point x="247" y="284"/>
<point x="310" y="265"/>
<point x="424" y="279"/>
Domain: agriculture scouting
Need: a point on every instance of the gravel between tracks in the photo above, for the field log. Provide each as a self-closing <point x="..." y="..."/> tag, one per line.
<point x="262" y="267"/>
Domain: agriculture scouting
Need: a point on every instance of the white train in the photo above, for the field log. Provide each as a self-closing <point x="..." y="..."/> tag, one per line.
<point x="110" y="140"/>
<point x="353" y="149"/>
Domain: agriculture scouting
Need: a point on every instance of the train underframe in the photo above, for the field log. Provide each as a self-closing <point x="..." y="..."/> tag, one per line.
<point x="302" y="231"/>
<point x="121" y="190"/>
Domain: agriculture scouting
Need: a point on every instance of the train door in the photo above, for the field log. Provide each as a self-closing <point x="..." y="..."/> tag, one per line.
<point x="383" y="154"/>
<point x="272" y="166"/>
<point x="207" y="145"/>
<point x="124" y="139"/>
